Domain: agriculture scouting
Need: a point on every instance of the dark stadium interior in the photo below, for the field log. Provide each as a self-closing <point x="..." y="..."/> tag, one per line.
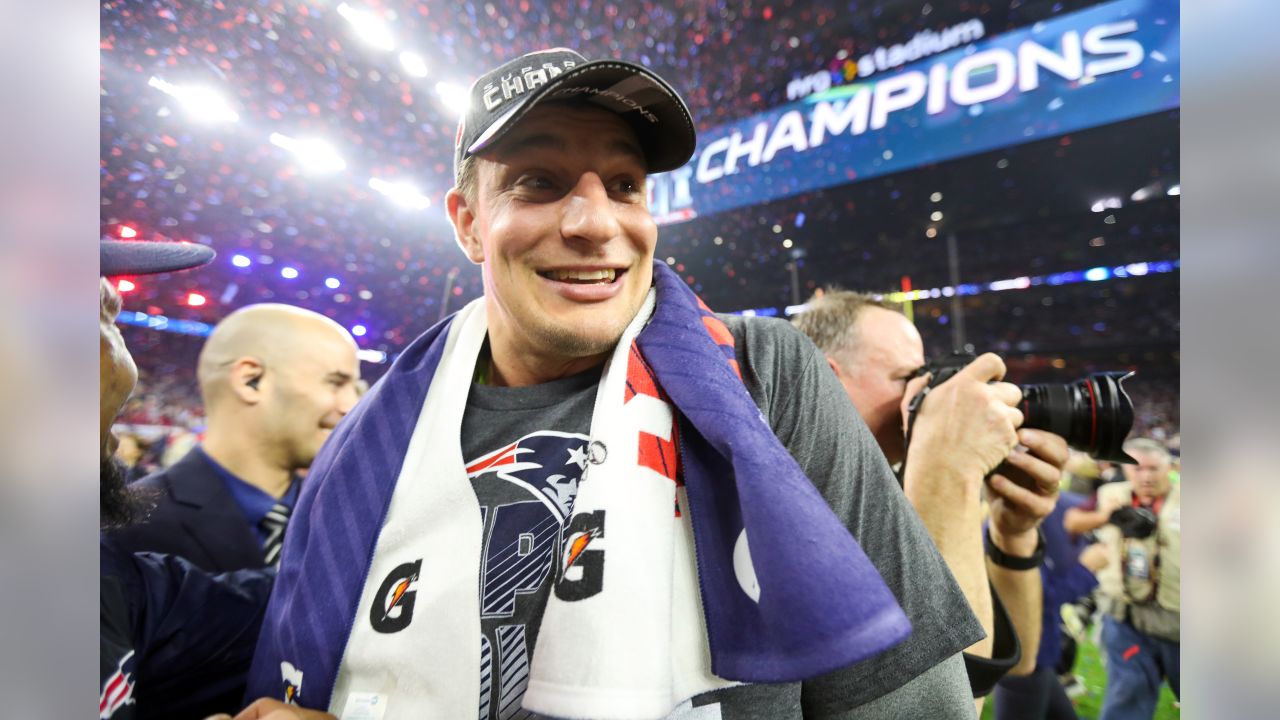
<point x="1024" y="210"/>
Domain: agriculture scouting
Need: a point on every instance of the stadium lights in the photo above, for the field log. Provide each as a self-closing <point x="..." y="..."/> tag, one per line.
<point x="316" y="156"/>
<point x="413" y="63"/>
<point x="127" y="232"/>
<point x="368" y="27"/>
<point x="359" y="330"/>
<point x="373" y="356"/>
<point x="241" y="261"/>
<point x="203" y="104"/>
<point x="1174" y="191"/>
<point x="288" y="273"/>
<point x="1146" y="192"/>
<point x="196" y="299"/>
<point x="1111" y="203"/>
<point x="454" y="96"/>
<point x="1018" y="283"/>
<point x="401" y="193"/>
<point x="125" y="286"/>
<point x="332" y="283"/>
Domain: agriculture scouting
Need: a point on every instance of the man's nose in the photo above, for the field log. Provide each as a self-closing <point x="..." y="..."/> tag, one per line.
<point x="589" y="212"/>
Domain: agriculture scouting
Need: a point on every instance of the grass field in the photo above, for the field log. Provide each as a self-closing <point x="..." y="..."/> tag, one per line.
<point x="1088" y="706"/>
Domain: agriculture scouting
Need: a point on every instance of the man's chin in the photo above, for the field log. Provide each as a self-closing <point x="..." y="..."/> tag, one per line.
<point x="579" y="341"/>
<point x="118" y="504"/>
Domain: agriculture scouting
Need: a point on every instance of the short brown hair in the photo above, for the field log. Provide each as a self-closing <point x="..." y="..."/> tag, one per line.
<point x="465" y="180"/>
<point x="831" y="314"/>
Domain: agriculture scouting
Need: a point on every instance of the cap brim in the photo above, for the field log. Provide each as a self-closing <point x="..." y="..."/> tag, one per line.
<point x="653" y="108"/>
<point x="121" y="257"/>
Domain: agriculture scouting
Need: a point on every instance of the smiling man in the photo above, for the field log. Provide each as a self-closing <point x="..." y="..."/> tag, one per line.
<point x="543" y="509"/>
<point x="275" y="380"/>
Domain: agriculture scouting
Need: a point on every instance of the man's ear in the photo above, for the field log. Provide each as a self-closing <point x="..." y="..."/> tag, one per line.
<point x="835" y="367"/>
<point x="245" y="378"/>
<point x="463" y="217"/>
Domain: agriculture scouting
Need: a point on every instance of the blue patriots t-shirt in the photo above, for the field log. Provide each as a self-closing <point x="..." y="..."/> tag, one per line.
<point x="525" y="450"/>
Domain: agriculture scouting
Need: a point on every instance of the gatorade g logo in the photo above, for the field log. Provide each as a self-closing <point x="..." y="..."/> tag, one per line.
<point x="291" y="678"/>
<point x="582" y="566"/>
<point x="392" y="609"/>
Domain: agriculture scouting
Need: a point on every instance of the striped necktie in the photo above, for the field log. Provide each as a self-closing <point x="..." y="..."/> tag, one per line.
<point x="274" y="523"/>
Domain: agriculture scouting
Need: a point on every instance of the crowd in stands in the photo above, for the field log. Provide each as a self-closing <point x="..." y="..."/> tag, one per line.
<point x="300" y="70"/>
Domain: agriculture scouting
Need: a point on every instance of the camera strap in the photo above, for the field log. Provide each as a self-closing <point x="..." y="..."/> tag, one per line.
<point x="913" y="409"/>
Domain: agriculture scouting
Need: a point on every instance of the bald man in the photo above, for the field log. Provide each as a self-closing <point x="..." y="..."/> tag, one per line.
<point x="275" y="380"/>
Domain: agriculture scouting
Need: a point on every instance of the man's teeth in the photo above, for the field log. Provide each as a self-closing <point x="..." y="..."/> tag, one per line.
<point x="582" y="275"/>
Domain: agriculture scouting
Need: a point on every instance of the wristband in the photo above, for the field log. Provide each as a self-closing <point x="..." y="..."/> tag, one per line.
<point x="1004" y="560"/>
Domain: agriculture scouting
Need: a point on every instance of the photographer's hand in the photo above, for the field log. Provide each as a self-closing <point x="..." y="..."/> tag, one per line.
<point x="963" y="429"/>
<point x="967" y="425"/>
<point x="1024" y="488"/>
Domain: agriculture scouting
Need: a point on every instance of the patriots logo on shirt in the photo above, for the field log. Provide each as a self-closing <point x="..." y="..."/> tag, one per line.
<point x="117" y="690"/>
<point x="546" y="463"/>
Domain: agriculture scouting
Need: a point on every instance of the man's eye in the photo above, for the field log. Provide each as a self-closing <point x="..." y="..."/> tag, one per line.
<point x="537" y="182"/>
<point x="628" y="186"/>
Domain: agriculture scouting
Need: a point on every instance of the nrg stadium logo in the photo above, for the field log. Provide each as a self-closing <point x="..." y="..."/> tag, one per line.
<point x="922" y="45"/>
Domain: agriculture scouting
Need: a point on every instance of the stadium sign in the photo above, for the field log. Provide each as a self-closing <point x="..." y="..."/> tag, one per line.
<point x="921" y="45"/>
<point x="1107" y="63"/>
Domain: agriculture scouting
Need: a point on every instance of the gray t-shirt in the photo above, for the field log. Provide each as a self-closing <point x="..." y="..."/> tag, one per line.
<point x="525" y="487"/>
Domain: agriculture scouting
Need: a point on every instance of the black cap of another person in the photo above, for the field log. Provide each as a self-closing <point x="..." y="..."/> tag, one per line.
<point x="502" y="96"/>
<point x="144" y="257"/>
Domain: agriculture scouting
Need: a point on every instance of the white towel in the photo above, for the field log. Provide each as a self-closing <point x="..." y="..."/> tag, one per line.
<point x="636" y="649"/>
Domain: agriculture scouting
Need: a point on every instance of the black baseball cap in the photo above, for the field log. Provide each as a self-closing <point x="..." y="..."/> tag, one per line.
<point x="502" y="96"/>
<point x="145" y="257"/>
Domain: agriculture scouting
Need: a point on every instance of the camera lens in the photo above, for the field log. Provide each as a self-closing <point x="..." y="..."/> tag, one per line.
<point x="1094" y="414"/>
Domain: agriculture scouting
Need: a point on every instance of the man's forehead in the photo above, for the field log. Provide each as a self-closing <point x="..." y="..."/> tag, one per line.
<point x="326" y="349"/>
<point x="556" y="127"/>
<point x="1148" y="459"/>
<point x="890" y="337"/>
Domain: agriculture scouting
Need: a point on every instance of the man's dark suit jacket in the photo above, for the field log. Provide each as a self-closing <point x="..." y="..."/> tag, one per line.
<point x="195" y="517"/>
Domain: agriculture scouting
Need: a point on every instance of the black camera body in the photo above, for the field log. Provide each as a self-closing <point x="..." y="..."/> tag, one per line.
<point x="1134" y="522"/>
<point x="1093" y="414"/>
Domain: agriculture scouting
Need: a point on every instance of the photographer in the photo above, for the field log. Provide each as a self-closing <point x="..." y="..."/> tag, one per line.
<point x="1140" y="585"/>
<point x="966" y="428"/>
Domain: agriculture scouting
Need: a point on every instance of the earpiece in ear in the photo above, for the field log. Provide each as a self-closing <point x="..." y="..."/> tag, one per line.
<point x="253" y="381"/>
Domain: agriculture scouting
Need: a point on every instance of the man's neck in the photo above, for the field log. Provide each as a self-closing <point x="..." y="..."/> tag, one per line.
<point x="514" y="369"/>
<point x="1150" y="499"/>
<point x="246" y="463"/>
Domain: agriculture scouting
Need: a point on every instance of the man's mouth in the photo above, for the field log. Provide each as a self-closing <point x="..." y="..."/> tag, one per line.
<point x="605" y="276"/>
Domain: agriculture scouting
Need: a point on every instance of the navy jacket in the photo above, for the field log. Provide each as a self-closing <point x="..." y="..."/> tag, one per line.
<point x="174" y="641"/>
<point x="195" y="517"/>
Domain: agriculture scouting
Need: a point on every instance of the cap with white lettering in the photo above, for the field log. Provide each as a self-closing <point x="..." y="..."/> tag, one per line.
<point x="645" y="101"/>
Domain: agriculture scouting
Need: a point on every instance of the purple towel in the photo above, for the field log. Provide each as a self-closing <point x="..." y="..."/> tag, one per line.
<point x="821" y="606"/>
